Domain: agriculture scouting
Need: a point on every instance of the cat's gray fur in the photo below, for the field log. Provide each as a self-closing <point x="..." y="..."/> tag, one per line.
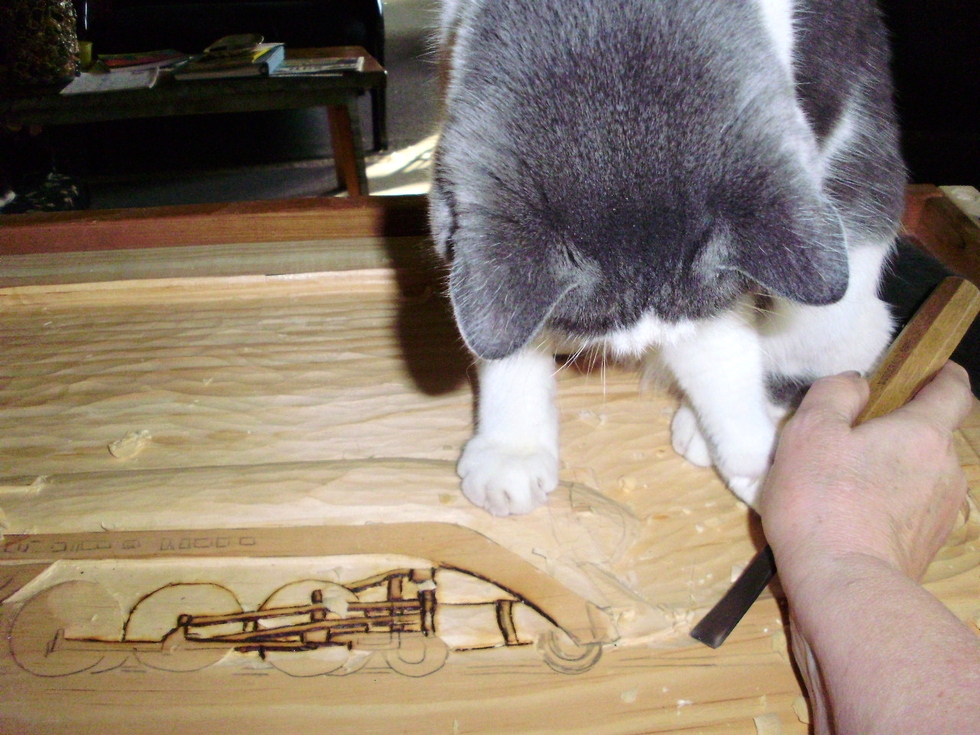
<point x="605" y="162"/>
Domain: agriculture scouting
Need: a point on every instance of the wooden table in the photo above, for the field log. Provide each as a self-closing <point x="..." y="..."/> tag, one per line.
<point x="199" y="97"/>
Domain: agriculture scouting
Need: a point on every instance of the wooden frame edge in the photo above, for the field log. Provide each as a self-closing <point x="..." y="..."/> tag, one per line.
<point x="213" y="224"/>
<point x="938" y="226"/>
<point x="930" y="219"/>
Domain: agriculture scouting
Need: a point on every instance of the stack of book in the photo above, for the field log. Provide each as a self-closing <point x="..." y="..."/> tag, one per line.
<point x="142" y="60"/>
<point x="320" y="66"/>
<point x="234" y="56"/>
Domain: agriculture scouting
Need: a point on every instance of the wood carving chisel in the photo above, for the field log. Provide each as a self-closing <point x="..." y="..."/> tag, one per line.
<point x="916" y="355"/>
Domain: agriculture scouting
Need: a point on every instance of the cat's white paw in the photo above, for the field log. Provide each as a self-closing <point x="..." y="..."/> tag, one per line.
<point x="747" y="454"/>
<point x="746" y="489"/>
<point x="744" y="461"/>
<point x="686" y="437"/>
<point x="506" y="479"/>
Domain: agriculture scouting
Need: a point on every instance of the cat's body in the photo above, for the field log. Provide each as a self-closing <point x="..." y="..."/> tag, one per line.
<point x="635" y="174"/>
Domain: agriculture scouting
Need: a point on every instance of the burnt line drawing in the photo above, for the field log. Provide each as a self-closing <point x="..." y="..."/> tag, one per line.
<point x="304" y="628"/>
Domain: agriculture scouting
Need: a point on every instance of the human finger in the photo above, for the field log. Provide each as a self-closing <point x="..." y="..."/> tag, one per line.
<point x="838" y="398"/>
<point x="946" y="400"/>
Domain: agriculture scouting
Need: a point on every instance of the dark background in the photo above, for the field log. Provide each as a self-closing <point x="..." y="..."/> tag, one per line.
<point x="936" y="46"/>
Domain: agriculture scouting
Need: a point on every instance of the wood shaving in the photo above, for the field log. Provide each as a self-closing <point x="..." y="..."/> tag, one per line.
<point x="768" y="724"/>
<point x="802" y="710"/>
<point x="336" y="605"/>
<point x="629" y="696"/>
<point x="627" y="484"/>
<point x="779" y="644"/>
<point x="130" y="445"/>
<point x="31" y="489"/>
<point x="593" y="419"/>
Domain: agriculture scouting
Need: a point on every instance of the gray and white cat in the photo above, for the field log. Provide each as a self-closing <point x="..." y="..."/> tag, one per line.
<point x="716" y="179"/>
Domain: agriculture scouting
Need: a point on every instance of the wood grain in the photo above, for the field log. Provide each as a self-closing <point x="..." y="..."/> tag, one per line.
<point x="319" y="399"/>
<point x="285" y="220"/>
<point x="444" y="544"/>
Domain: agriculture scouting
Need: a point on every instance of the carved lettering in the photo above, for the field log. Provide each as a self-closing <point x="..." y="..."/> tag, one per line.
<point x="203" y="542"/>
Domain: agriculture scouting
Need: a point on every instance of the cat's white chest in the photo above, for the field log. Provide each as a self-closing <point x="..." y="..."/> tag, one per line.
<point x="777" y="17"/>
<point x="649" y="331"/>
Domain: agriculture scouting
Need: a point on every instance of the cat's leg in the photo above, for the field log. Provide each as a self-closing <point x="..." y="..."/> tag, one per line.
<point x="720" y="370"/>
<point x="686" y="437"/>
<point x="808" y="342"/>
<point x="511" y="463"/>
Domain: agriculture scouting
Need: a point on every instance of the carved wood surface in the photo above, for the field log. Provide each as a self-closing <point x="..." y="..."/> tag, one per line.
<point x="181" y="411"/>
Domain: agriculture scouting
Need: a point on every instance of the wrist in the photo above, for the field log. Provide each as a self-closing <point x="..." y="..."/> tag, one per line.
<point x="815" y="575"/>
<point x="833" y="543"/>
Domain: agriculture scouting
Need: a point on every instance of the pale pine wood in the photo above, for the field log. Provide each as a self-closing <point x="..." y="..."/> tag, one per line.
<point x="445" y="544"/>
<point x="311" y="400"/>
<point x="231" y="260"/>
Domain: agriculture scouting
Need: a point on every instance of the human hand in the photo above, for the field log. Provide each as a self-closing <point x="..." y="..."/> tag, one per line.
<point x="889" y="489"/>
<point x="854" y="516"/>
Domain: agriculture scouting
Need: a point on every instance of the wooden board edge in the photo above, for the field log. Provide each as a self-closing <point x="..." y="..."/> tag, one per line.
<point x="931" y="219"/>
<point x="213" y="224"/>
<point x="234" y="260"/>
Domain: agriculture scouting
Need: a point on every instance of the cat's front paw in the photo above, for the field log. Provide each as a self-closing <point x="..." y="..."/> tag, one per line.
<point x="742" y="459"/>
<point x="744" y="464"/>
<point x="507" y="479"/>
<point x="686" y="437"/>
<point x="746" y="489"/>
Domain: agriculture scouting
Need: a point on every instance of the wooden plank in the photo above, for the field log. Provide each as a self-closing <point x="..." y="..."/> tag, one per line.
<point x="412" y="253"/>
<point x="298" y="219"/>
<point x="213" y="224"/>
<point x="341" y="399"/>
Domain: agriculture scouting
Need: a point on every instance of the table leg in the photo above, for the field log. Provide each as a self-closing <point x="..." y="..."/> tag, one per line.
<point x="379" y="120"/>
<point x="348" y="147"/>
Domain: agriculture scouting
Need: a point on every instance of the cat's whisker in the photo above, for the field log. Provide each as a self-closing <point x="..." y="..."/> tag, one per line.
<point x="604" y="356"/>
<point x="761" y="310"/>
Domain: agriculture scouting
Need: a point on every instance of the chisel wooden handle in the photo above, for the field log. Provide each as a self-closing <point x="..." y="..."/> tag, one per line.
<point x="916" y="355"/>
<point x="922" y="347"/>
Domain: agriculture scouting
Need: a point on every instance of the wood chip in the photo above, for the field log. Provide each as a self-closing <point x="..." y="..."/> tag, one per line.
<point x="802" y="710"/>
<point x="130" y="445"/>
<point x="768" y="724"/>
